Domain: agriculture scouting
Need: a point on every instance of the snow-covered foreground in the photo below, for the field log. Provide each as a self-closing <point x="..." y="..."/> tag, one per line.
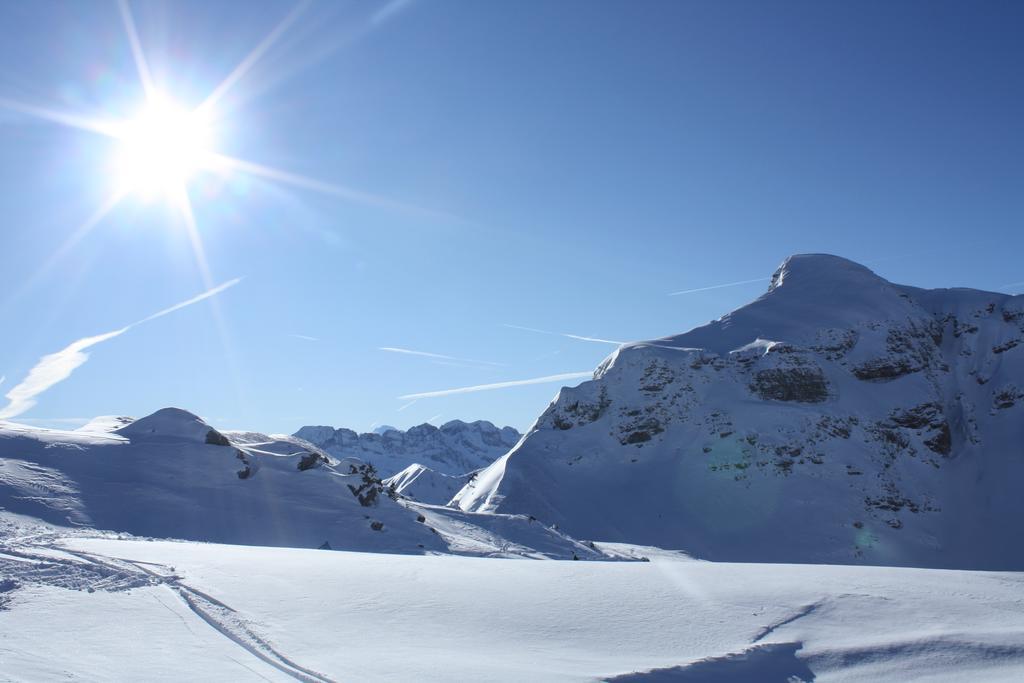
<point x="108" y="609"/>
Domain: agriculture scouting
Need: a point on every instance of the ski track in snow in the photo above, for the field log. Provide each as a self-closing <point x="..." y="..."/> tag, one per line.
<point x="38" y="560"/>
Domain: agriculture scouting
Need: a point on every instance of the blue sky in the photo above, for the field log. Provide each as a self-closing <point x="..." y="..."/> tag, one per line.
<point x="562" y="166"/>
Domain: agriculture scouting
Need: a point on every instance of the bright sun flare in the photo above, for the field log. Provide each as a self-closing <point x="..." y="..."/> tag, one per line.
<point x="161" y="148"/>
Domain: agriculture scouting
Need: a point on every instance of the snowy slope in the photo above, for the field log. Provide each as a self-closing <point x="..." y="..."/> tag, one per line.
<point x="420" y="483"/>
<point x="131" y="610"/>
<point x="455" y="448"/>
<point x="171" y="475"/>
<point x="838" y="418"/>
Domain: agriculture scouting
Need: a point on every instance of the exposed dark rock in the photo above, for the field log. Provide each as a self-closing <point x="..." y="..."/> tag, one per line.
<point x="580" y="412"/>
<point x="640" y="431"/>
<point x="1007" y="397"/>
<point x="941" y="443"/>
<point x="929" y="417"/>
<point x="309" y="461"/>
<point x="1006" y="346"/>
<point x="918" y="417"/>
<point x="216" y="438"/>
<point x="799" y="384"/>
<point x="884" y="369"/>
<point x="247" y="471"/>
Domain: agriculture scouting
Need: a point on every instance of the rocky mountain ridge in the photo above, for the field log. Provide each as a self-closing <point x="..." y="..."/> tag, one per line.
<point x="455" y="448"/>
<point x="838" y="418"/>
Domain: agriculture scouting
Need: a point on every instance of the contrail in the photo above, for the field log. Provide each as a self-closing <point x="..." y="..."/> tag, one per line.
<point x="56" y="367"/>
<point x="304" y="337"/>
<point x="565" y="334"/>
<point x="194" y="300"/>
<point x="498" y="385"/>
<point x="438" y="356"/>
<point x="727" y="284"/>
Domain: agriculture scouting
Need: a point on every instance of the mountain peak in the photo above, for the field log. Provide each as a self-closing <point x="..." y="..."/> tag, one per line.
<point x="174" y="424"/>
<point x="808" y="292"/>
<point x="809" y="270"/>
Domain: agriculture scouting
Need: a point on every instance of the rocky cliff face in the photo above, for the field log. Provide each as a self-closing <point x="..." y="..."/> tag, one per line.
<point x="455" y="448"/>
<point x="838" y="418"/>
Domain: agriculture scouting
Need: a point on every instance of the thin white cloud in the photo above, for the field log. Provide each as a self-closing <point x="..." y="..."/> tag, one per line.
<point x="405" y="406"/>
<point x="194" y="300"/>
<point x="498" y="385"/>
<point x="2" y="378"/>
<point x="50" y="370"/>
<point x="57" y="367"/>
<point x="437" y="356"/>
<point x="436" y="417"/>
<point x="565" y="334"/>
<point x="304" y="337"/>
<point x="389" y="11"/>
<point x="723" y="286"/>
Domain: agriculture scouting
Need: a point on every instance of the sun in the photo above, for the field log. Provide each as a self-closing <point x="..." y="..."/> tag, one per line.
<point x="161" y="148"/>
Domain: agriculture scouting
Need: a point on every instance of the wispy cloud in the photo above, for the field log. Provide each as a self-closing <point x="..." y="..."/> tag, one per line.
<point x="389" y="11"/>
<point x="499" y="385"/>
<point x="2" y="378"/>
<point x="436" y="356"/>
<point x="57" y="367"/>
<point x="406" y="406"/>
<point x="304" y="337"/>
<point x="722" y="286"/>
<point x="565" y="334"/>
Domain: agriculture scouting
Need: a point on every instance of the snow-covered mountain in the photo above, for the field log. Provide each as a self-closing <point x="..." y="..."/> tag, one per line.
<point x="172" y="475"/>
<point x="838" y="418"/>
<point x="455" y="448"/>
<point x="419" y="482"/>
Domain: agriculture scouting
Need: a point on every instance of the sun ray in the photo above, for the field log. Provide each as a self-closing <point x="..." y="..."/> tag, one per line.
<point x="108" y="128"/>
<point x="313" y="53"/>
<point x="222" y="162"/>
<point x="253" y="57"/>
<point x="184" y="205"/>
<point x="133" y="39"/>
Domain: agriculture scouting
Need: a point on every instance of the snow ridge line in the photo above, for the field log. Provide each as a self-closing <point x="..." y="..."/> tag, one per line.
<point x="799" y="614"/>
<point x="115" y="573"/>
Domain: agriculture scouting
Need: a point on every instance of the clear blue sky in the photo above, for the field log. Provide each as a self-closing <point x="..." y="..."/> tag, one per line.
<point x="555" y="165"/>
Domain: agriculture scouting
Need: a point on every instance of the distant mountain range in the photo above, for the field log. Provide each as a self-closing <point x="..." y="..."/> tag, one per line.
<point x="838" y="418"/>
<point x="455" y="448"/>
